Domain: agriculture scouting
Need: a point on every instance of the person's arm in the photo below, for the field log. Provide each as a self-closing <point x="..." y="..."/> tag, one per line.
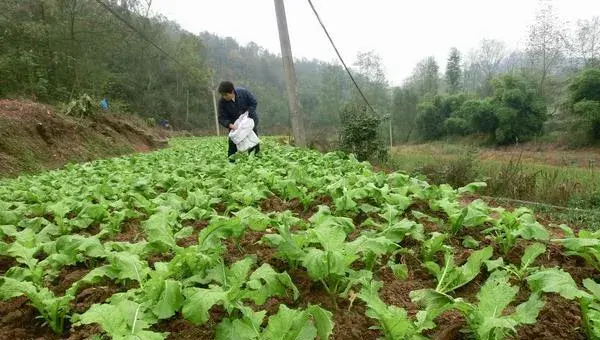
<point x="223" y="119"/>
<point x="252" y="106"/>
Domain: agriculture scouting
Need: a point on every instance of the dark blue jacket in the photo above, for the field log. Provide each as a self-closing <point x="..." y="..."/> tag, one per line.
<point x="230" y="111"/>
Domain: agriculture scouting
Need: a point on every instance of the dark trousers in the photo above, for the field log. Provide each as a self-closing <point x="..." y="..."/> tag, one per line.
<point x="233" y="148"/>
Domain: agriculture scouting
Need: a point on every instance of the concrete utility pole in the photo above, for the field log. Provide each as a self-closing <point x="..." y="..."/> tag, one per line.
<point x="187" y="106"/>
<point x="214" y="95"/>
<point x="296" y="117"/>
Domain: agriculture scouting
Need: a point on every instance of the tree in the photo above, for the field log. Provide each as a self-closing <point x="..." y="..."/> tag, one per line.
<point x="425" y="77"/>
<point x="430" y="121"/>
<point x="480" y="114"/>
<point x="372" y="80"/>
<point x="547" y="42"/>
<point x="520" y="110"/>
<point x="586" y="42"/>
<point x="453" y="71"/>
<point x="433" y="113"/>
<point x="486" y="62"/>
<point x="584" y="98"/>
<point x="404" y="110"/>
<point x="360" y="133"/>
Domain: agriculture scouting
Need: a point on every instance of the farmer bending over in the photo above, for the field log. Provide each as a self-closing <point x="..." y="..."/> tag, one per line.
<point x="234" y="102"/>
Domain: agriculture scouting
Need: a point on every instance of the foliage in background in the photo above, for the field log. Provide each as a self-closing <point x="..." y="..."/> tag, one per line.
<point x="360" y="135"/>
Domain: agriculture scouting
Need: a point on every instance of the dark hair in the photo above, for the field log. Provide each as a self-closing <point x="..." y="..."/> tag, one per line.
<point x="225" y="87"/>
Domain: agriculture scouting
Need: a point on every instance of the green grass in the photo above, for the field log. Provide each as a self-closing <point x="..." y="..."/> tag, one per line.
<point x="507" y="174"/>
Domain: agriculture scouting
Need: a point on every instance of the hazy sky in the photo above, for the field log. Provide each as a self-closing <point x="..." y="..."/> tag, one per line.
<point x="402" y="32"/>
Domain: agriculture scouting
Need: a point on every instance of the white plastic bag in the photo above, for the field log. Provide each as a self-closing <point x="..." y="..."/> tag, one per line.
<point x="243" y="136"/>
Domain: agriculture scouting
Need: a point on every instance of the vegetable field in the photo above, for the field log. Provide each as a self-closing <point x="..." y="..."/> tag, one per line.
<point x="181" y="244"/>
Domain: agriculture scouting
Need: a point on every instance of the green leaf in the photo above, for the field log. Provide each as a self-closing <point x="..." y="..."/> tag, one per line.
<point x="494" y="264"/>
<point x="470" y="242"/>
<point x="198" y="301"/>
<point x="555" y="280"/>
<point x="184" y="232"/>
<point x="433" y="245"/>
<point x="531" y="253"/>
<point x="290" y="324"/>
<point x="451" y="277"/>
<point x="472" y="187"/>
<point x="396" y="232"/>
<point x="124" y="320"/>
<point x="528" y="311"/>
<point x="158" y="229"/>
<point x="169" y="301"/>
<point x="253" y="218"/>
<point x="128" y="266"/>
<point x="322" y="319"/>
<point x="246" y="328"/>
<point x="593" y="287"/>
<point x="399" y="270"/>
<point x="266" y="282"/>
<point x="330" y="237"/>
<point x="393" y="321"/>
<point x="315" y="262"/>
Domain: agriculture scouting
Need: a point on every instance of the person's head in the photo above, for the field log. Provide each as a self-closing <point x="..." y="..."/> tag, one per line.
<point x="226" y="90"/>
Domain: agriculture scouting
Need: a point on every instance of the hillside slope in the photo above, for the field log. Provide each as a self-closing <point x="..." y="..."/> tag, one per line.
<point x="34" y="137"/>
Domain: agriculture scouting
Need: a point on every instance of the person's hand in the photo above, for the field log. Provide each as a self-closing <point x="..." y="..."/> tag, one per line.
<point x="232" y="127"/>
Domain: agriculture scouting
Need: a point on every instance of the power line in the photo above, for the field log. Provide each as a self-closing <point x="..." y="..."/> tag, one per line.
<point x="143" y="36"/>
<point x="341" y="59"/>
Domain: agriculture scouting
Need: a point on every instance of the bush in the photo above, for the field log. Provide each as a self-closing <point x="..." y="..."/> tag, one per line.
<point x="359" y="134"/>
<point x="520" y="110"/>
<point x="83" y="106"/>
<point x="586" y="86"/>
<point x="584" y="101"/>
<point x="457" y="172"/>
<point x="457" y="126"/>
<point x="480" y="114"/>
<point x="429" y="121"/>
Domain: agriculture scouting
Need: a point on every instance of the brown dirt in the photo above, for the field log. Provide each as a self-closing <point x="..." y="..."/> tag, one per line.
<point x="94" y="294"/>
<point x="91" y="230"/>
<point x="249" y="246"/>
<point x="559" y="319"/>
<point x="131" y="231"/>
<point x="351" y="324"/>
<point x="19" y="321"/>
<point x="192" y="239"/>
<point x="34" y="137"/>
<point x="6" y="262"/>
<point x="396" y="292"/>
<point x="66" y="277"/>
<point x="449" y="326"/>
<point x="152" y="259"/>
<point x="276" y="204"/>
<point x="181" y="329"/>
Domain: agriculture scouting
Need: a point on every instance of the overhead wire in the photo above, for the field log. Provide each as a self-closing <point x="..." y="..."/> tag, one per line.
<point x="340" y="57"/>
<point x="144" y="37"/>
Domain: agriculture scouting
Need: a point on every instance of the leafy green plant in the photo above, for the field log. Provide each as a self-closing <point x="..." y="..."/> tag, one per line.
<point x="121" y="320"/>
<point x="555" y="280"/>
<point x="520" y="272"/>
<point x="231" y="286"/>
<point x="359" y="135"/>
<point x="393" y="321"/>
<point x="52" y="308"/>
<point x="434" y="245"/>
<point x="585" y="245"/>
<point x="451" y="277"/>
<point x="330" y="264"/>
<point x="82" y="106"/>
<point x="590" y="309"/>
<point x="510" y="226"/>
<point x="488" y="320"/>
<point x="313" y="322"/>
